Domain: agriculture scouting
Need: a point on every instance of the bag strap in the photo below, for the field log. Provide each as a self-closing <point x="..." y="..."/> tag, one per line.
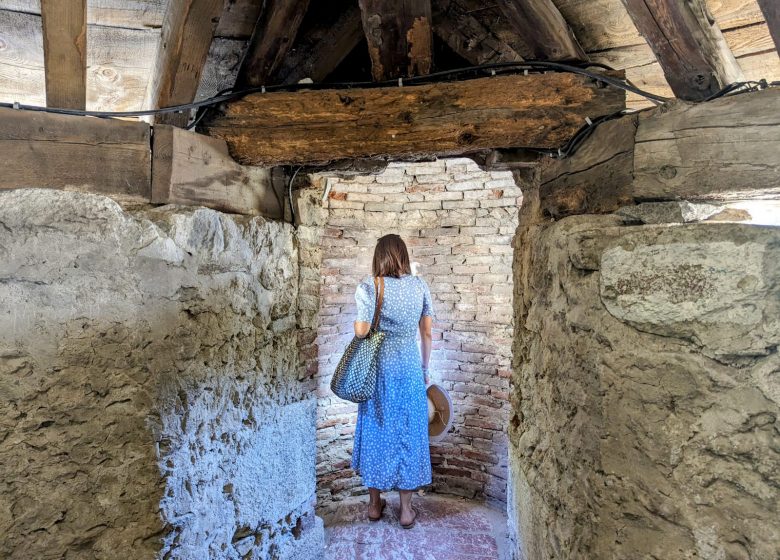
<point x="379" y="290"/>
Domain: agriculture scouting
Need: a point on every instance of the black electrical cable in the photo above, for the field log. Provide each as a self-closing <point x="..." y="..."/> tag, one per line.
<point x="289" y="195"/>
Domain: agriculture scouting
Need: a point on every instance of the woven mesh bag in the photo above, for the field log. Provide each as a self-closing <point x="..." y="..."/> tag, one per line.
<point x="355" y="376"/>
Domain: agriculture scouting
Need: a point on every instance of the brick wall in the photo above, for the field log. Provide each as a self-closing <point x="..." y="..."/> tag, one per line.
<point x="458" y="222"/>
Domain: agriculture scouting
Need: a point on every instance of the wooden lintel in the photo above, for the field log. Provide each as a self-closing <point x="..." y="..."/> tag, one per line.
<point x="319" y="126"/>
<point x="399" y="36"/>
<point x="65" y="52"/>
<point x="542" y="28"/>
<point x="272" y="38"/>
<point x="193" y="169"/>
<point x="81" y="153"/>
<point x="185" y="38"/>
<point x="771" y="11"/>
<point x="688" y="44"/>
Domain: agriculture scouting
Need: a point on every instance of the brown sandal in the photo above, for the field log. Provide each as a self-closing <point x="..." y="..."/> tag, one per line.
<point x="383" y="503"/>
<point x="414" y="520"/>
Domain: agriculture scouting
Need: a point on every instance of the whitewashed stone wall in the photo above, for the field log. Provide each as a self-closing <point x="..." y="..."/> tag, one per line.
<point x="458" y="222"/>
<point x="153" y="400"/>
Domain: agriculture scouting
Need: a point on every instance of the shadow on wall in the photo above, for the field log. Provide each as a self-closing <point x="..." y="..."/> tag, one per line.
<point x="458" y="222"/>
<point x="149" y="362"/>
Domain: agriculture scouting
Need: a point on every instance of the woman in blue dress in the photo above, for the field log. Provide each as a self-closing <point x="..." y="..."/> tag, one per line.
<point x="391" y="449"/>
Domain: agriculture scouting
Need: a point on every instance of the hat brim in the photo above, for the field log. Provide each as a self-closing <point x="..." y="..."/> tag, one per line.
<point x="442" y="420"/>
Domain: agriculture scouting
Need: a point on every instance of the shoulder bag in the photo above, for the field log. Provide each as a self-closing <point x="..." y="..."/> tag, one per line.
<point x="355" y="376"/>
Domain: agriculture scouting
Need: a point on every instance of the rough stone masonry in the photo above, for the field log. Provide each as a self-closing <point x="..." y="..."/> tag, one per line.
<point x="458" y="222"/>
<point x="153" y="399"/>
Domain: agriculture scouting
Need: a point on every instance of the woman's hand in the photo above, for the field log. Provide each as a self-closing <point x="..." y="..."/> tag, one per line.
<point x="425" y="375"/>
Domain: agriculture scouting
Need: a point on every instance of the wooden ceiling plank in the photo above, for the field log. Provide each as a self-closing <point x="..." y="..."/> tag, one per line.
<point x="321" y="49"/>
<point x="271" y="40"/>
<point x="400" y="38"/>
<point x="541" y="26"/>
<point x="320" y="126"/>
<point x="64" y="25"/>
<point x="186" y="35"/>
<point x="688" y="45"/>
<point x="771" y="11"/>
<point x="468" y="37"/>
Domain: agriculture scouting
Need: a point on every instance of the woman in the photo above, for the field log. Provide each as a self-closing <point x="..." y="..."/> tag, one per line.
<point x="391" y="437"/>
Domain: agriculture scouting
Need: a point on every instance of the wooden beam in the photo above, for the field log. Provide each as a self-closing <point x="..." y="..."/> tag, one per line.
<point x="81" y="153"/>
<point x="64" y="25"/>
<point x="194" y="169"/>
<point x="307" y="127"/>
<point x="771" y="11"/>
<point x="688" y="44"/>
<point x="541" y="26"/>
<point x="467" y="36"/>
<point x="185" y="38"/>
<point x="399" y="37"/>
<point x="319" y="50"/>
<point x="727" y="148"/>
<point x="272" y="38"/>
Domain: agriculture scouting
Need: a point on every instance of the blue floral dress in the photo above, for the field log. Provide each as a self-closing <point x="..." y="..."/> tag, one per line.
<point x="391" y="449"/>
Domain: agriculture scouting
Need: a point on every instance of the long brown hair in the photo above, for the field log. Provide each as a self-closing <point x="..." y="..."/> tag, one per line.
<point x="391" y="257"/>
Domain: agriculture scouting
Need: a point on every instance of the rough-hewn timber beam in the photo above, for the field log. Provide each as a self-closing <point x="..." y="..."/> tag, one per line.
<point x="116" y="158"/>
<point x="467" y="36"/>
<point x="321" y="49"/>
<point x="85" y="153"/>
<point x="185" y="38"/>
<point x="311" y="127"/>
<point x="65" y="52"/>
<point x="688" y="44"/>
<point x="272" y="38"/>
<point x="399" y="37"/>
<point x="771" y="11"/>
<point x="542" y="28"/>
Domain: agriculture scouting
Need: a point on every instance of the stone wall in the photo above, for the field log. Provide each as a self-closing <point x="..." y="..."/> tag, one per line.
<point x="645" y="394"/>
<point x="458" y="223"/>
<point x="154" y="403"/>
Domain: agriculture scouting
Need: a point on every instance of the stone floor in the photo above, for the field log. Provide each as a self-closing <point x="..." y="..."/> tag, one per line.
<point x="447" y="528"/>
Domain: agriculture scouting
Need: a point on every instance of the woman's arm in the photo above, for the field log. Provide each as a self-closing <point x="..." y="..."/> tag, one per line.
<point x="362" y="328"/>
<point x="426" y="340"/>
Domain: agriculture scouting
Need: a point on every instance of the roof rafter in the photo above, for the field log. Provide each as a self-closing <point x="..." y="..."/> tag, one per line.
<point x="317" y="52"/>
<point x="65" y="52"/>
<point x="271" y="40"/>
<point x="688" y="45"/>
<point x="543" y="29"/>
<point x="771" y="11"/>
<point x="400" y="41"/>
<point x="187" y="30"/>
<point x="467" y="36"/>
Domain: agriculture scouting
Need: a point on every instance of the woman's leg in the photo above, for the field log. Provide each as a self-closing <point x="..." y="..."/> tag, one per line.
<point x="374" y="502"/>
<point x="407" y="513"/>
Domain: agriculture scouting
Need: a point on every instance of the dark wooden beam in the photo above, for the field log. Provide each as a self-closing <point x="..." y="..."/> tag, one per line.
<point x="542" y="28"/>
<point x="400" y="41"/>
<point x="467" y="36"/>
<point x="185" y="38"/>
<point x="688" y="45"/>
<point x="65" y="52"/>
<point x="319" y="50"/>
<point x="314" y="127"/>
<point x="771" y="11"/>
<point x="82" y="153"/>
<point x="271" y="40"/>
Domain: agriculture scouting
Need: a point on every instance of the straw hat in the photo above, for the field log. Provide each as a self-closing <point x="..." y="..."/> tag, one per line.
<point x="439" y="412"/>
